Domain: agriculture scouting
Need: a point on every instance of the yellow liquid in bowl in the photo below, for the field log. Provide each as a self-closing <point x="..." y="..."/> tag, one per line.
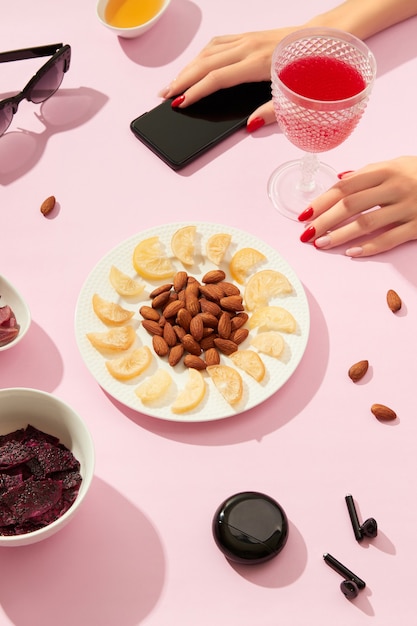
<point x="129" y="13"/>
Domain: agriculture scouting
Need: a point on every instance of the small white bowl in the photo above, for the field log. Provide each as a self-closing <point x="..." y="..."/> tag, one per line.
<point x="133" y="31"/>
<point x="10" y="296"/>
<point x="20" y="407"/>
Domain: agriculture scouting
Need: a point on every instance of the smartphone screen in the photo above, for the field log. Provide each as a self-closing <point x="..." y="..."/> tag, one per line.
<point x="178" y="136"/>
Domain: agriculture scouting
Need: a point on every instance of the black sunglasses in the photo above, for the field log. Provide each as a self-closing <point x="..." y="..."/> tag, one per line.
<point x="42" y="85"/>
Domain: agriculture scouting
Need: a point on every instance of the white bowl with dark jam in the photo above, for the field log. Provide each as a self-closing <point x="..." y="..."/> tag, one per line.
<point x="130" y="18"/>
<point x="46" y="465"/>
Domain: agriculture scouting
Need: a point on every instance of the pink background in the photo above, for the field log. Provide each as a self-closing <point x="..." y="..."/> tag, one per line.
<point x="141" y="549"/>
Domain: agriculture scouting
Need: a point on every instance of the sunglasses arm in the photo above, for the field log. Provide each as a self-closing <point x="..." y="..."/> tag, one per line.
<point x="29" y="53"/>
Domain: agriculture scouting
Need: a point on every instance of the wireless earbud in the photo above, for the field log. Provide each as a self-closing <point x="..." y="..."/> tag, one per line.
<point x="369" y="528"/>
<point x="353" y="584"/>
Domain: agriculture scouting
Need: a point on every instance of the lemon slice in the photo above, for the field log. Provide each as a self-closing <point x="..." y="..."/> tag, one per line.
<point x="110" y="312"/>
<point x="250" y="362"/>
<point x="273" y="318"/>
<point x="264" y="285"/>
<point x="149" y="260"/>
<point x="131" y="365"/>
<point x="154" y="387"/>
<point x="243" y="262"/>
<point x="217" y="246"/>
<point x="269" y="342"/>
<point x="228" y="381"/>
<point x="124" y="285"/>
<point x="183" y="244"/>
<point x="192" y="394"/>
<point x="115" y="339"/>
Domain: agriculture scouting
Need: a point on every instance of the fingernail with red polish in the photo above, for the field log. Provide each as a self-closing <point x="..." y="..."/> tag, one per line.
<point x="177" y="101"/>
<point x="254" y="124"/>
<point x="308" y="234"/>
<point x="342" y="174"/>
<point x="306" y="214"/>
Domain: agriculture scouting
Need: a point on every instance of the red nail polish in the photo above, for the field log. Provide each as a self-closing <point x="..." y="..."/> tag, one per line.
<point x="308" y="234"/>
<point x="177" y="101"/>
<point x="343" y="173"/>
<point x="306" y="214"/>
<point x="254" y="124"/>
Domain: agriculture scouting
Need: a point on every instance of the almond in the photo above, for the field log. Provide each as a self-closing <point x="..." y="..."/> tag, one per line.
<point x="230" y="289"/>
<point x="160" y="345"/>
<point x="179" y="331"/>
<point x="149" y="313"/>
<point x="212" y="292"/>
<point x="172" y="308"/>
<point x="393" y="300"/>
<point x="383" y="412"/>
<point x="191" y="345"/>
<point x="160" y="300"/>
<point x="195" y="362"/>
<point x="207" y="342"/>
<point x="208" y="306"/>
<point x="239" y="335"/>
<point x="184" y="318"/>
<point x="160" y="289"/>
<point x="212" y="357"/>
<point x="47" y="205"/>
<point x="239" y="320"/>
<point x="192" y="305"/>
<point x="180" y="280"/>
<point x="197" y="327"/>
<point x="225" y="345"/>
<point x="214" y="276"/>
<point x="169" y="334"/>
<point x="175" y="354"/>
<point x="152" y="327"/>
<point x="224" y="327"/>
<point x="358" y="370"/>
<point x="232" y="303"/>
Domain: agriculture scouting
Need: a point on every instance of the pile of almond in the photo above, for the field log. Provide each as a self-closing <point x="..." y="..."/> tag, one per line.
<point x="193" y="322"/>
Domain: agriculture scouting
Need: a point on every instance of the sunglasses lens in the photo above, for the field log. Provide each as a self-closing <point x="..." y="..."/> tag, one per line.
<point x="6" y="116"/>
<point x="49" y="82"/>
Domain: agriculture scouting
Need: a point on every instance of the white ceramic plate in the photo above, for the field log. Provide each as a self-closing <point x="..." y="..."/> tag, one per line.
<point x="213" y="405"/>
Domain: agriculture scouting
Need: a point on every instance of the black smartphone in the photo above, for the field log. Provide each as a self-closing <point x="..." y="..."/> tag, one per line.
<point x="178" y="136"/>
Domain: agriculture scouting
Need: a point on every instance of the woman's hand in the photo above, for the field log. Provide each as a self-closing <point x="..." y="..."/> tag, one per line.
<point x="376" y="205"/>
<point x="227" y="61"/>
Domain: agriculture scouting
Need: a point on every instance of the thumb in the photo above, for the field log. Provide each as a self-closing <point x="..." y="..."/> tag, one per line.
<point x="265" y="113"/>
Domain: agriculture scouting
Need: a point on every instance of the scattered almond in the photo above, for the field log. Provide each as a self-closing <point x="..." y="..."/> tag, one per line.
<point x="393" y="300"/>
<point x="358" y="370"/>
<point x="195" y="362"/>
<point x="383" y="413"/>
<point x="160" y="345"/>
<point x="47" y="205"/>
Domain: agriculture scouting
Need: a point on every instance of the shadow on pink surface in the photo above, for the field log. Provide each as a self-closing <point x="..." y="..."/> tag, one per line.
<point x="35" y="362"/>
<point x="168" y="39"/>
<point x="69" y="108"/>
<point x="106" y="567"/>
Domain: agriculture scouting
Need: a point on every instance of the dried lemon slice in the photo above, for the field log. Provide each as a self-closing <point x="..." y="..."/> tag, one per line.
<point x="264" y="285"/>
<point x="243" y="262"/>
<point x="154" y="387"/>
<point x="192" y="394"/>
<point x="273" y="318"/>
<point x="228" y="381"/>
<point x="125" y="286"/>
<point x="183" y="244"/>
<point x="149" y="260"/>
<point x="216" y="247"/>
<point x="269" y="342"/>
<point x="131" y="365"/>
<point x="110" y="313"/>
<point x="250" y="362"/>
<point x="115" y="339"/>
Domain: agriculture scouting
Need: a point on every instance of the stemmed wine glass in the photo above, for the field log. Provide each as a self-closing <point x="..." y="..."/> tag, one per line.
<point x="321" y="82"/>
